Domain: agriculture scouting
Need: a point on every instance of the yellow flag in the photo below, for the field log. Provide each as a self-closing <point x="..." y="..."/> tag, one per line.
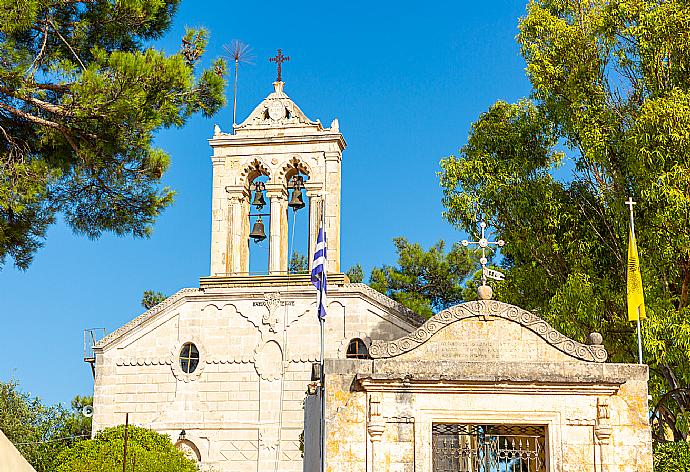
<point x="635" y="293"/>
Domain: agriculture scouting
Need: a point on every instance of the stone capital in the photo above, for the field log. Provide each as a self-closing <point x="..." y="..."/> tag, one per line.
<point x="276" y="191"/>
<point x="333" y="156"/>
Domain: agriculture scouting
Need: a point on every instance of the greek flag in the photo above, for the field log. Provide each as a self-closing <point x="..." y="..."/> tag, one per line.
<point x="318" y="272"/>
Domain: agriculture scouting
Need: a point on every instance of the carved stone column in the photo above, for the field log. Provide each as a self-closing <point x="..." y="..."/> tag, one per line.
<point x="375" y="427"/>
<point x="235" y="226"/>
<point x="219" y="229"/>
<point x="315" y="202"/>
<point x="332" y="186"/>
<point x="603" y="431"/>
<point x="277" y="251"/>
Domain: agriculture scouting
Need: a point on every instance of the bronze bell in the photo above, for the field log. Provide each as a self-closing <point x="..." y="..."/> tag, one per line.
<point x="296" y="202"/>
<point x="258" y="234"/>
<point x="258" y="200"/>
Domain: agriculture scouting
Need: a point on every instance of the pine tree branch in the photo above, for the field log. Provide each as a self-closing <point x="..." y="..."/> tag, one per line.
<point x="57" y="109"/>
<point x="66" y="44"/>
<point x="41" y="121"/>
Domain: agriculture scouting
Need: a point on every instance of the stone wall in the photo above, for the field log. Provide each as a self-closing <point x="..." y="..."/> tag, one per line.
<point x="256" y="346"/>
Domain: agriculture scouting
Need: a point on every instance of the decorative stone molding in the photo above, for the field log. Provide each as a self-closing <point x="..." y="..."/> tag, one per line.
<point x="295" y="162"/>
<point x="277" y="111"/>
<point x="255" y="165"/>
<point x="268" y="360"/>
<point x="603" y="429"/>
<point x="140" y="361"/>
<point x="488" y="309"/>
<point x="175" y="360"/>
<point x="377" y="424"/>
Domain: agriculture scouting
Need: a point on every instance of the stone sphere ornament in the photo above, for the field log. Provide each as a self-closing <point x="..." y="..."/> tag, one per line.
<point x="484" y="292"/>
<point x="596" y="339"/>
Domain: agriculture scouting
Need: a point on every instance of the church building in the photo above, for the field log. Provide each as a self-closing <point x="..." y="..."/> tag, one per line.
<point x="226" y="368"/>
<point x="223" y="368"/>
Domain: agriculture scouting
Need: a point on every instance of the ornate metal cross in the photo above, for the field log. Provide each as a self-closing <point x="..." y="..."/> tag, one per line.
<point x="484" y="243"/>
<point x="279" y="59"/>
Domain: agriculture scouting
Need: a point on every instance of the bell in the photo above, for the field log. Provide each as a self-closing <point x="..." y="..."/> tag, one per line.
<point x="258" y="200"/>
<point x="258" y="234"/>
<point x="296" y="202"/>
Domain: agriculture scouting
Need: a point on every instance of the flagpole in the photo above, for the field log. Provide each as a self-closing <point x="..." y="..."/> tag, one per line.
<point x="322" y="322"/>
<point x="639" y="325"/>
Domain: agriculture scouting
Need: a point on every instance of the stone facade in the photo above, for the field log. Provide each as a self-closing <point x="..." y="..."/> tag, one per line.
<point x="242" y="406"/>
<point x="488" y="364"/>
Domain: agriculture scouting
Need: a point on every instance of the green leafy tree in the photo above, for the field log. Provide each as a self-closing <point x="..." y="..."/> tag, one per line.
<point x="672" y="457"/>
<point x="355" y="274"/>
<point x="609" y="117"/>
<point x="152" y="298"/>
<point x="424" y="281"/>
<point x="151" y="451"/>
<point x="82" y="94"/>
<point x="298" y="264"/>
<point x="39" y="431"/>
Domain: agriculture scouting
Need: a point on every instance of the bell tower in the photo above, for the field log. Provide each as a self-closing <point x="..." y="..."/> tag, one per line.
<point x="278" y="144"/>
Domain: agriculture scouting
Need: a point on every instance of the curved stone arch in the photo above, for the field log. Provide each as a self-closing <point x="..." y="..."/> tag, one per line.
<point x="342" y="349"/>
<point x="287" y="170"/>
<point x="488" y="308"/>
<point x="253" y="169"/>
<point x="189" y="449"/>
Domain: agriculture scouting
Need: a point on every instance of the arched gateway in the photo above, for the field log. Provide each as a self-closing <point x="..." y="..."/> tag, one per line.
<point x="483" y="387"/>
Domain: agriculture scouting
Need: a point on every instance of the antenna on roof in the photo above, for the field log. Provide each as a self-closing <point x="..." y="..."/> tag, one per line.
<point x="239" y="52"/>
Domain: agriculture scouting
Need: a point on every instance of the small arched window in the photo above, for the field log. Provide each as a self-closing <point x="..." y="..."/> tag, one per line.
<point x="357" y="349"/>
<point x="189" y="358"/>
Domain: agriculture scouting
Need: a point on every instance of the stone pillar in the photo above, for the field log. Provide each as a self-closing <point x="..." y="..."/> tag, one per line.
<point x="603" y="431"/>
<point x="219" y="236"/>
<point x="277" y="251"/>
<point x="376" y="427"/>
<point x="315" y="201"/>
<point x="237" y="238"/>
<point x="332" y="186"/>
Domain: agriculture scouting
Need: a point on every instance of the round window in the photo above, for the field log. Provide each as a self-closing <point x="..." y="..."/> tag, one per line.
<point x="189" y="358"/>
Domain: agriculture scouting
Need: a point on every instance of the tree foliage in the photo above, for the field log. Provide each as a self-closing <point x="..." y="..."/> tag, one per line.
<point x="424" y="281"/>
<point x="81" y="95"/>
<point x="609" y="117"/>
<point x="148" y="450"/>
<point x="298" y="264"/>
<point x="355" y="274"/>
<point x="672" y="457"/>
<point x="151" y="298"/>
<point x="39" y="431"/>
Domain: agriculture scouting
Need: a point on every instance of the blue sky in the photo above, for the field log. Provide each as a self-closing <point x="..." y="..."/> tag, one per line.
<point x="405" y="80"/>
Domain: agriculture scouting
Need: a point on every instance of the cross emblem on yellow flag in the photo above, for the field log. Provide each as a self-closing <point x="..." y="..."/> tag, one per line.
<point x="635" y="292"/>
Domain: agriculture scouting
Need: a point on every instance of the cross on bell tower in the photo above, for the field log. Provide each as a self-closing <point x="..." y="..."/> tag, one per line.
<point x="484" y="291"/>
<point x="279" y="59"/>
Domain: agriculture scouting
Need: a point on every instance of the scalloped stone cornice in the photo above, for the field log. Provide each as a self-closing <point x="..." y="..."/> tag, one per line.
<point x="488" y="308"/>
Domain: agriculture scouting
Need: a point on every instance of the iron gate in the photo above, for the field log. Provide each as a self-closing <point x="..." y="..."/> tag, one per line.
<point x="488" y="448"/>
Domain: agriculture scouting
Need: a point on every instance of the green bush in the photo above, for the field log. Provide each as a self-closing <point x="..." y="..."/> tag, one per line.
<point x="672" y="457"/>
<point x="152" y="452"/>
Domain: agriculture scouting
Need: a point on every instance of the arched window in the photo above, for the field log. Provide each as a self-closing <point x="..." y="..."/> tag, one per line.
<point x="357" y="349"/>
<point x="189" y="358"/>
